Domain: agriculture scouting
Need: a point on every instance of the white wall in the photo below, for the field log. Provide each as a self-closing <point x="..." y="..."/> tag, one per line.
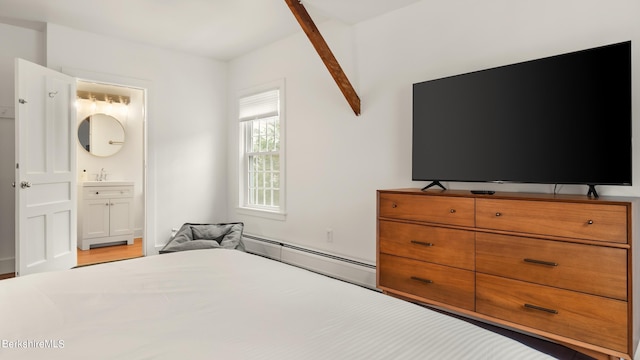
<point x="186" y="120"/>
<point x="336" y="161"/>
<point x="186" y="123"/>
<point x="27" y="44"/>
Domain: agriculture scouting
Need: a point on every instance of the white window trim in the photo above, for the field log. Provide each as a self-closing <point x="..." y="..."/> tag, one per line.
<point x="243" y="166"/>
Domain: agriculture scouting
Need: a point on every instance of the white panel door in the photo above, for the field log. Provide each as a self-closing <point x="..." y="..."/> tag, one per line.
<point x="46" y="209"/>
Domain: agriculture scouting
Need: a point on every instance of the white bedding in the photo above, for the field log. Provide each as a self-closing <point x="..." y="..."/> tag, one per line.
<point x="225" y="304"/>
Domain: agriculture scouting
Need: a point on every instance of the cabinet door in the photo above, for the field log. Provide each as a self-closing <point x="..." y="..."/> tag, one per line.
<point x="95" y="219"/>
<point x="121" y="217"/>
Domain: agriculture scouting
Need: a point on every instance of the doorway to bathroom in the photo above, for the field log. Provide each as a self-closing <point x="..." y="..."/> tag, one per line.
<point x="111" y="123"/>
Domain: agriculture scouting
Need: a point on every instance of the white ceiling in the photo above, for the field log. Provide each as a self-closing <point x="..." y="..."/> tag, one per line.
<point x="221" y="29"/>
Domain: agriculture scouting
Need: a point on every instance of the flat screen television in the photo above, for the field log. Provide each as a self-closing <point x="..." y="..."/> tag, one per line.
<point x="564" y="119"/>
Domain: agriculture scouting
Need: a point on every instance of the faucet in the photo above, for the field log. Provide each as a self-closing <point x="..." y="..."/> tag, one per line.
<point x="102" y="176"/>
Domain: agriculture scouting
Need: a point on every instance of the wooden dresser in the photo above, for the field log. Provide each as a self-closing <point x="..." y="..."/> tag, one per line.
<point x="557" y="266"/>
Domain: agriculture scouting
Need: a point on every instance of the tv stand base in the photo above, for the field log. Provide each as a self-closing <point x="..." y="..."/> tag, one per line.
<point x="592" y="192"/>
<point x="434" y="183"/>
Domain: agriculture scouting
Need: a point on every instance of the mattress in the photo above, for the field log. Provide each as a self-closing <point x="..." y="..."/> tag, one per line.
<point x="225" y="304"/>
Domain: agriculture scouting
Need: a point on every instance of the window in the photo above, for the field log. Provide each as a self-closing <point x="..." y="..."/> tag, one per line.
<point x="262" y="155"/>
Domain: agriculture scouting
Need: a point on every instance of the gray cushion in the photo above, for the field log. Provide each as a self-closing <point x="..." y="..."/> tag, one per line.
<point x="206" y="236"/>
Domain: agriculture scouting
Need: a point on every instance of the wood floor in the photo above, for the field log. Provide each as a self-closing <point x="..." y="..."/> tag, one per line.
<point x="6" y="276"/>
<point x="110" y="253"/>
<point x="103" y="254"/>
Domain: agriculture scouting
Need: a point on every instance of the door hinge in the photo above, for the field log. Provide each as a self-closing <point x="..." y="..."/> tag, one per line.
<point x="17" y="165"/>
<point x="22" y="101"/>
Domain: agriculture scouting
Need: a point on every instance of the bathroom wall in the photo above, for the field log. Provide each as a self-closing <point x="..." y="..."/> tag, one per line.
<point x="128" y="163"/>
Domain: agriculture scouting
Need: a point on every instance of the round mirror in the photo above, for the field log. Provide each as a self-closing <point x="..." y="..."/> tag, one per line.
<point x="101" y="134"/>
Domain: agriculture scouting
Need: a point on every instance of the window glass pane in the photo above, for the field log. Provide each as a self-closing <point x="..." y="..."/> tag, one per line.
<point x="267" y="198"/>
<point x="253" y="164"/>
<point x="267" y="163"/>
<point x="260" y="179"/>
<point x="277" y="136"/>
<point x="271" y="135"/>
<point x="260" y="199"/>
<point x="260" y="126"/>
<point x="255" y="137"/>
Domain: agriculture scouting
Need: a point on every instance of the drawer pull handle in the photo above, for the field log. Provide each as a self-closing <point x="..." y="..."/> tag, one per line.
<point x="498" y="214"/>
<point x="421" y="243"/>
<point x="97" y="192"/>
<point x="426" y="281"/>
<point x="394" y="205"/>
<point x="541" y="262"/>
<point x="590" y="222"/>
<point x="452" y="211"/>
<point x="540" y="308"/>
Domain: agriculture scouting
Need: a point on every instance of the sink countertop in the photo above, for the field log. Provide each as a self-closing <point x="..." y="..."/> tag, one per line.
<point x="107" y="183"/>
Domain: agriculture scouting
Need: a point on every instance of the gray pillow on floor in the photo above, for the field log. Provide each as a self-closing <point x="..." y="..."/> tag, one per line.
<point x="206" y="236"/>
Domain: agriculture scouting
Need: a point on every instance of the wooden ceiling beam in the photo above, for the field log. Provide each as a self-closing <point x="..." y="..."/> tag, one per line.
<point x="325" y="53"/>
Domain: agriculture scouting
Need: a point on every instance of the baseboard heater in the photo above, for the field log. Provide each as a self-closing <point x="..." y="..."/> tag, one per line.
<point x="350" y="270"/>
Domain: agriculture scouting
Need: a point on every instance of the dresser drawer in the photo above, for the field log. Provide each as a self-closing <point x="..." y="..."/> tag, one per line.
<point x="430" y="281"/>
<point x="592" y="269"/>
<point x="593" y="319"/>
<point x="428" y="243"/>
<point x="433" y="209"/>
<point x="602" y="222"/>
<point x="109" y="192"/>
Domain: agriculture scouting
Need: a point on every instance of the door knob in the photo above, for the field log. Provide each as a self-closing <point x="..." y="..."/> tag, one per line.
<point x="25" y="184"/>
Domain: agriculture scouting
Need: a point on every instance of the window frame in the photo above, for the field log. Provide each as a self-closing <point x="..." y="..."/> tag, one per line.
<point x="279" y="212"/>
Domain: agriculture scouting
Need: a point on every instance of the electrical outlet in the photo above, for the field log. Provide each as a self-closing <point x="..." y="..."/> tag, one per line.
<point x="329" y="235"/>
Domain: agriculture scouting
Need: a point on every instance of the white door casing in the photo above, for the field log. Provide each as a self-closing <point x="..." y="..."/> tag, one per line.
<point x="46" y="181"/>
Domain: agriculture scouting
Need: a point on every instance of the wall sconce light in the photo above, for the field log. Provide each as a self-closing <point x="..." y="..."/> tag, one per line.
<point x="109" y="106"/>
<point x="120" y="99"/>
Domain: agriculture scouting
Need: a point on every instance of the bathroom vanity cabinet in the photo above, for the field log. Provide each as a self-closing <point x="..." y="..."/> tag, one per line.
<point x="106" y="213"/>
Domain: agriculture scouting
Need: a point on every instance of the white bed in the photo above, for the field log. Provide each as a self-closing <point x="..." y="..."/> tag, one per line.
<point x="225" y="304"/>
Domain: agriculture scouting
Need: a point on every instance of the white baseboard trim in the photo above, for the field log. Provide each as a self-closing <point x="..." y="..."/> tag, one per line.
<point x="7" y="265"/>
<point x="334" y="266"/>
<point x="269" y="249"/>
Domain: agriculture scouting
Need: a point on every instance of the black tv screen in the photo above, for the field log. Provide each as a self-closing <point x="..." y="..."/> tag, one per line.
<point x="564" y="119"/>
